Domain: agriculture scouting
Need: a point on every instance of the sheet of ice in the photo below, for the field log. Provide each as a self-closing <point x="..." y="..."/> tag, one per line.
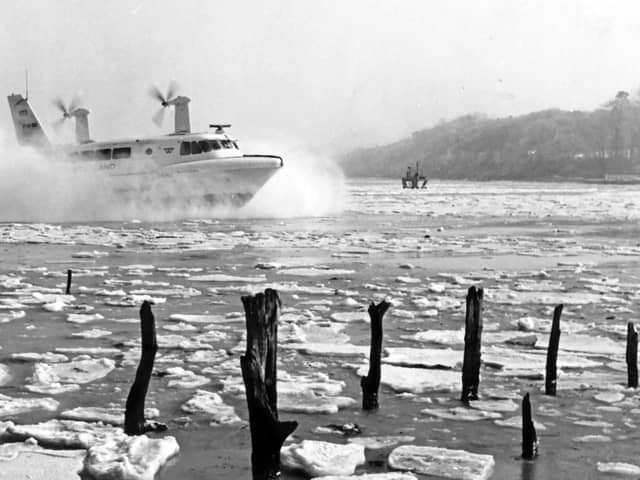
<point x="16" y="405"/>
<point x="440" y="337"/>
<point x="5" y="374"/>
<point x="316" y="272"/>
<point x="442" y="462"/>
<point x="516" y="360"/>
<point x="311" y="332"/>
<point x="516" y="422"/>
<point x="495" y="405"/>
<point x="89" y="254"/>
<point x="128" y="458"/>
<point x="180" y="378"/>
<point x="317" y="458"/>
<point x="83" y="317"/>
<point x="423" y="357"/>
<point x="12" y="315"/>
<point x="53" y="377"/>
<point x="91" y="350"/>
<point x="212" y="404"/>
<point x="220" y="277"/>
<point x="26" y="461"/>
<point x="618" y="468"/>
<point x="347" y="317"/>
<point x="416" y="380"/>
<point x="306" y="401"/>
<point x="64" y="433"/>
<point x="329" y="349"/>
<point x="110" y="416"/>
<point x="381" y="442"/>
<point x="178" y="291"/>
<point x="181" y="317"/>
<point x="512" y="297"/>
<point x="92" y="333"/>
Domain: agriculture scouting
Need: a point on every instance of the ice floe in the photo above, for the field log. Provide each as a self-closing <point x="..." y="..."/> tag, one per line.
<point x="440" y="337"/>
<point x="16" y="405"/>
<point x="180" y="378"/>
<point x="416" y="380"/>
<point x="12" y="315"/>
<point x="92" y="333"/>
<point x="381" y="442"/>
<point x="128" y="458"/>
<point x="212" y="404"/>
<point x="442" y="462"/>
<point x="219" y="277"/>
<point x="111" y="416"/>
<point x="423" y="357"/>
<point x="5" y="374"/>
<point x="26" y="461"/>
<point x="60" y="377"/>
<point x="619" y="468"/>
<point x="370" y="476"/>
<point x="83" y="317"/>
<point x="350" y="317"/>
<point x="317" y="458"/>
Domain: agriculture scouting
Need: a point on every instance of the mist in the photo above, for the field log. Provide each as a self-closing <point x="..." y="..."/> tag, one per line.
<point x="35" y="187"/>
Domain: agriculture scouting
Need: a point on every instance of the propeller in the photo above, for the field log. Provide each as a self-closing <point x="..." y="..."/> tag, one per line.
<point x="164" y="100"/>
<point x="67" y="109"/>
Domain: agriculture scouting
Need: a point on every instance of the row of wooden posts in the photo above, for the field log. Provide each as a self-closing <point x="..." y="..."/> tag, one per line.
<point x="259" y="373"/>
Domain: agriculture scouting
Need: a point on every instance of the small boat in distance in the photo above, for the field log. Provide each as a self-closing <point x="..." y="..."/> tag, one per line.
<point x="414" y="179"/>
<point x="205" y="166"/>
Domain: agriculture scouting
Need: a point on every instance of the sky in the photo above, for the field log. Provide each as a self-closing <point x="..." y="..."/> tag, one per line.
<point x="322" y="75"/>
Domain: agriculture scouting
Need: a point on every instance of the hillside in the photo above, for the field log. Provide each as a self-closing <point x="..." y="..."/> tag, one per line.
<point x="541" y="145"/>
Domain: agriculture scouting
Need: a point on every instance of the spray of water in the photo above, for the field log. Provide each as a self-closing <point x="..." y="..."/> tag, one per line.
<point x="35" y="187"/>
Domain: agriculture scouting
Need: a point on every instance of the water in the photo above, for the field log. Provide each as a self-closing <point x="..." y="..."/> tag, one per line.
<point x="530" y="245"/>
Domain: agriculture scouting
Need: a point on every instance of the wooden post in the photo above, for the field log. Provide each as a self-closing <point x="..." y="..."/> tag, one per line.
<point x="472" y="345"/>
<point x="552" y="353"/>
<point x="134" y="422"/>
<point x="371" y="382"/>
<point x="68" y="290"/>
<point x="259" y="368"/>
<point x="529" y="437"/>
<point x="632" y="356"/>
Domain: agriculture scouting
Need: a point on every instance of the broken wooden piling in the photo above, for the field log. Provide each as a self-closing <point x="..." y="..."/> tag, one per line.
<point x="632" y="356"/>
<point x="68" y="290"/>
<point x="259" y="373"/>
<point x="529" y="437"/>
<point x="552" y="353"/>
<point x="371" y="383"/>
<point x="134" y="421"/>
<point x="472" y="345"/>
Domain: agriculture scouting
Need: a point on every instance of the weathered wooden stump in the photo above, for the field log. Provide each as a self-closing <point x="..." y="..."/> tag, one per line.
<point x="134" y="421"/>
<point x="259" y="368"/>
<point x="371" y="383"/>
<point x="552" y="353"/>
<point x="472" y="345"/>
<point x="529" y="437"/>
<point x="632" y="356"/>
<point x="68" y="290"/>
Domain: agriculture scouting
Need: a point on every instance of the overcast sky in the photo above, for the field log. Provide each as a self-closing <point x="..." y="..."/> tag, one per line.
<point x="317" y="74"/>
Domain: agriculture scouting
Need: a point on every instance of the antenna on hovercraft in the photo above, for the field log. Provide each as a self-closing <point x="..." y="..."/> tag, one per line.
<point x="219" y="126"/>
<point x="26" y="84"/>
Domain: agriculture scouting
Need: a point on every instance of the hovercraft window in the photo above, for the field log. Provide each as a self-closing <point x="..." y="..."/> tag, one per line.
<point x="215" y="144"/>
<point x="185" y="148"/>
<point x="89" y="154"/>
<point x="103" y="154"/>
<point x="227" y="144"/>
<point x="195" y="148"/>
<point x="122" y="152"/>
<point x="205" y="146"/>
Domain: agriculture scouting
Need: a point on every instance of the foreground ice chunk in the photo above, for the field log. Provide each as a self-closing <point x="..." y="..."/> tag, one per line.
<point x="5" y="376"/>
<point x="619" y="468"/>
<point x="318" y="458"/>
<point x="128" y="458"/>
<point x="79" y="371"/>
<point x="48" y="357"/>
<point x="442" y="462"/>
<point x="25" y="461"/>
<point x="13" y="406"/>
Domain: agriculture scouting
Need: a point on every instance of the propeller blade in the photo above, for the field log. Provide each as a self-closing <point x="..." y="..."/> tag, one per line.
<point x="158" y="117"/>
<point x="156" y="94"/>
<point x="60" y="105"/>
<point x="75" y="103"/>
<point x="172" y="90"/>
<point x="58" y="123"/>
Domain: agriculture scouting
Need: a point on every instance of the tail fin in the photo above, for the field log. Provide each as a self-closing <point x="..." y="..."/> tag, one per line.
<point x="28" y="128"/>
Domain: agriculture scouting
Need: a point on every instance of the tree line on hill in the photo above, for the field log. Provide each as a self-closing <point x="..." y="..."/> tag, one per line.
<point x="537" y="146"/>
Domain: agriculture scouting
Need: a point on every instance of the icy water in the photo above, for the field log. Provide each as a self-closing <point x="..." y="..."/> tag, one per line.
<point x="529" y="245"/>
